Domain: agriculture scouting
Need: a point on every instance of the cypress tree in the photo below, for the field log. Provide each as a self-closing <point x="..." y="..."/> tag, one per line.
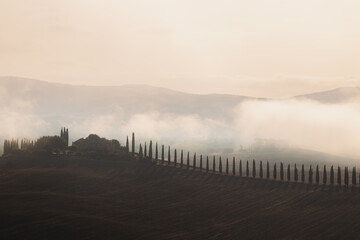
<point x="296" y="176"/>
<point x="150" y="151"/>
<point x="194" y="162"/>
<point x="162" y="154"/>
<point x="127" y="144"/>
<point x="175" y="157"/>
<point x="5" y="147"/>
<point x="214" y="164"/>
<point x="181" y="158"/>
<point x="247" y="168"/>
<point x="275" y="173"/>
<point x="227" y="166"/>
<point x="339" y="176"/>
<point x="254" y="169"/>
<point x="156" y="152"/>
<point x="140" y="152"/>
<point x="145" y="152"/>
<point x="332" y="175"/>
<point x="288" y="173"/>
<point x="353" y="182"/>
<point x="281" y="171"/>
<point x="133" y="145"/>
<point x="234" y="166"/>
<point x="169" y="155"/>
<point x="317" y="175"/>
<point x="188" y="161"/>
<point x="220" y="165"/>
<point x="324" y="175"/>
<point x="346" y="177"/>
<point x="207" y="164"/>
<point x="302" y="173"/>
<point x="200" y="163"/>
<point x="240" y="168"/>
<point x="267" y="170"/>
<point x="310" y="174"/>
<point x="261" y="170"/>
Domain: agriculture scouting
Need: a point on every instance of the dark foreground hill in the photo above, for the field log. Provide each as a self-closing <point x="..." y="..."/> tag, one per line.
<point x="76" y="198"/>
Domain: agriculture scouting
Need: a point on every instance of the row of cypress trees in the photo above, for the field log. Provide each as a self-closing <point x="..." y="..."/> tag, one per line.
<point x="11" y="145"/>
<point x="263" y="173"/>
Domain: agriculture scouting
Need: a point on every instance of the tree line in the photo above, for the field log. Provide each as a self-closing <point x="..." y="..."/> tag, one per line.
<point x="258" y="170"/>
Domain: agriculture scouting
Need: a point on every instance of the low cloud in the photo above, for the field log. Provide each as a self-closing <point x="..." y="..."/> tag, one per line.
<point x="330" y="128"/>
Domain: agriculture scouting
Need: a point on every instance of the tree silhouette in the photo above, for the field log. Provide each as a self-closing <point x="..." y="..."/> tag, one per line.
<point x="296" y="176"/>
<point x="64" y="134"/>
<point x="133" y="145"/>
<point x="339" y="176"/>
<point x="247" y="168"/>
<point x="240" y="168"/>
<point x="261" y="170"/>
<point x="26" y="144"/>
<point x="346" y="177"/>
<point x="310" y="174"/>
<point x="175" y="157"/>
<point x="233" y="168"/>
<point x="188" y="161"/>
<point x="254" y="169"/>
<point x="288" y="172"/>
<point x="275" y="173"/>
<point x="156" y="152"/>
<point x="150" y="151"/>
<point x="220" y="165"/>
<point x="214" y="164"/>
<point x="302" y="173"/>
<point x="317" y="175"/>
<point x="140" y="152"/>
<point x="145" y="152"/>
<point x="281" y="171"/>
<point x="181" y="158"/>
<point x="227" y="166"/>
<point x="169" y="156"/>
<point x="332" y="175"/>
<point x="127" y="144"/>
<point x="207" y="164"/>
<point x="267" y="170"/>
<point x="162" y="154"/>
<point x="353" y="182"/>
<point x="194" y="162"/>
<point x="200" y="163"/>
<point x="324" y="175"/>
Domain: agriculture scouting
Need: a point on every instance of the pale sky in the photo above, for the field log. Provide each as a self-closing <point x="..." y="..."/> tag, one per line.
<point x="265" y="48"/>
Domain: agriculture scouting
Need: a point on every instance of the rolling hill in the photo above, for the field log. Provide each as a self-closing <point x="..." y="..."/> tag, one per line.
<point x="335" y="96"/>
<point x="68" y="197"/>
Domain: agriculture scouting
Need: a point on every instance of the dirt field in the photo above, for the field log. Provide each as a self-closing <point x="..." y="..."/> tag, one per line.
<point x="76" y="198"/>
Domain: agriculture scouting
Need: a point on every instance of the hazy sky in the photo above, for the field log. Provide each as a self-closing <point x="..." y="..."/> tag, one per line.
<point x="265" y="48"/>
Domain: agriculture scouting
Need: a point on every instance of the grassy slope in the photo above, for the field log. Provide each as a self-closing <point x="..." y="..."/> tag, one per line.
<point x="92" y="199"/>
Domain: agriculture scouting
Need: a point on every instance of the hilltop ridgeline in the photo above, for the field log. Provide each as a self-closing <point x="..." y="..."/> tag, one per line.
<point x="95" y="146"/>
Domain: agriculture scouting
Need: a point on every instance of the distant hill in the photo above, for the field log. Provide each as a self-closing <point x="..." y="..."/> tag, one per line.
<point x="339" y="95"/>
<point x="55" y="105"/>
<point x="53" y="99"/>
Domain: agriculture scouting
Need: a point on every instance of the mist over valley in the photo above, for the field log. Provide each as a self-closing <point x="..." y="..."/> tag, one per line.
<point x="313" y="128"/>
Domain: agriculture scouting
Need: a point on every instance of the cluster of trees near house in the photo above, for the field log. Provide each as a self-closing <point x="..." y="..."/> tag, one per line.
<point x="93" y="144"/>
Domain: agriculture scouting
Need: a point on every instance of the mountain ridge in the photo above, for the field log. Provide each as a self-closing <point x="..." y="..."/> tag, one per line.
<point x="336" y="95"/>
